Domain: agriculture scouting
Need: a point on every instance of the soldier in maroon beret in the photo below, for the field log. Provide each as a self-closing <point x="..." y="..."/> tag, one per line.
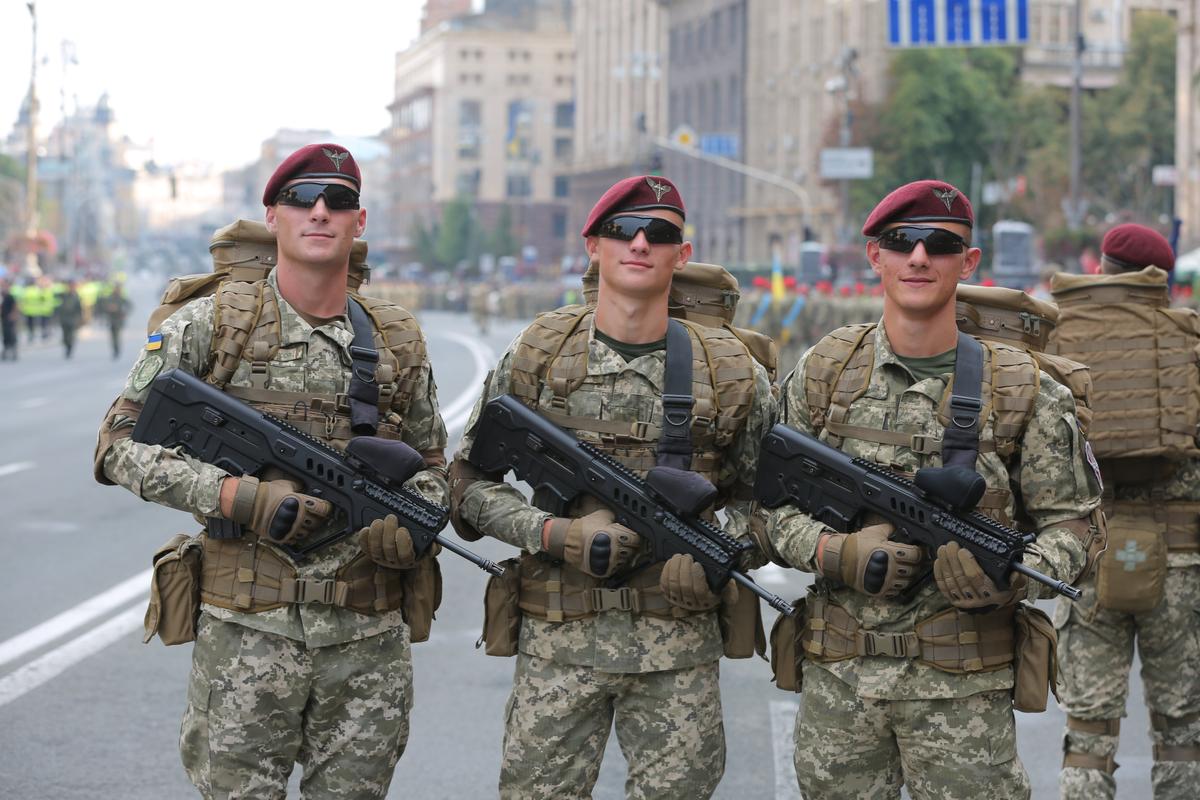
<point x="608" y="633"/>
<point x="306" y="642"/>
<point x="894" y="693"/>
<point x="1145" y="592"/>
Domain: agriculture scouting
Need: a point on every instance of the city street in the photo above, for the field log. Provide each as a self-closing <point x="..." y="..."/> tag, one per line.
<point x="88" y="711"/>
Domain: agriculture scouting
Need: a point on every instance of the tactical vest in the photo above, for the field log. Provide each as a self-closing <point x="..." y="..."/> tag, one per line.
<point x="1143" y="358"/>
<point x="243" y="574"/>
<point x="549" y="366"/>
<point x="838" y="373"/>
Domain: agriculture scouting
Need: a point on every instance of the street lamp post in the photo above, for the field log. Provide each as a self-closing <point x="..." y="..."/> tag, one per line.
<point x="31" y="213"/>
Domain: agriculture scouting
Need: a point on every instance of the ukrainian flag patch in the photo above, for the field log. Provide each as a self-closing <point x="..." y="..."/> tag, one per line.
<point x="154" y="341"/>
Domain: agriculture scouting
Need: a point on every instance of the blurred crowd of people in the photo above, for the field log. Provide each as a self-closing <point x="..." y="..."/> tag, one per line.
<point x="40" y="305"/>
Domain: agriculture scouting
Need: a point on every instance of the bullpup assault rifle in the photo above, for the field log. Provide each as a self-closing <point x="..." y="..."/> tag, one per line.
<point x="933" y="509"/>
<point x="365" y="482"/>
<point x="663" y="509"/>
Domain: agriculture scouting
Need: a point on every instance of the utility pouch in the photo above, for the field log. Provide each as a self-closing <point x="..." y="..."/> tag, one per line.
<point x="1133" y="570"/>
<point x="502" y="611"/>
<point x="786" y="650"/>
<point x="175" y="591"/>
<point x="422" y="597"/>
<point x="742" y="627"/>
<point x="1035" y="659"/>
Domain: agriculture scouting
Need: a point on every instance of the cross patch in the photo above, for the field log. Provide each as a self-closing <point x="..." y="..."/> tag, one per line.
<point x="1130" y="555"/>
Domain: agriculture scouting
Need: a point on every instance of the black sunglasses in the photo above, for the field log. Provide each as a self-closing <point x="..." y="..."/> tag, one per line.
<point x="304" y="195"/>
<point x="937" y="241"/>
<point x="626" y="226"/>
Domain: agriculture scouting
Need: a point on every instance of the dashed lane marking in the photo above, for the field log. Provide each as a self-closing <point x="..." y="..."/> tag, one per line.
<point x="15" y="467"/>
<point x="783" y="718"/>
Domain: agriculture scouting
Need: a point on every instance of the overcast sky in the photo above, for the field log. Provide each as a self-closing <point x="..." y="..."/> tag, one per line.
<point x="210" y="80"/>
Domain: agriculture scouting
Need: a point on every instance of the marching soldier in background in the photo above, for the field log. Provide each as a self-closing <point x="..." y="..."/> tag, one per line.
<point x="70" y="315"/>
<point x="907" y="681"/>
<point x="115" y="305"/>
<point x="605" y="634"/>
<point x="1147" y="587"/>
<point x="303" y="661"/>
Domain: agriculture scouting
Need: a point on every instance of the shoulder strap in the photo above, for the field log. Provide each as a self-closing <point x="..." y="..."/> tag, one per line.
<point x="675" y="442"/>
<point x="540" y="345"/>
<point x="363" y="392"/>
<point x="240" y="309"/>
<point x="401" y="336"/>
<point x="960" y="442"/>
<point x="826" y="363"/>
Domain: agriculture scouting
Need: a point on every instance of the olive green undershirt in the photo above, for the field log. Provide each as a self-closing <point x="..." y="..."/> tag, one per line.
<point x="929" y="366"/>
<point x="630" y="351"/>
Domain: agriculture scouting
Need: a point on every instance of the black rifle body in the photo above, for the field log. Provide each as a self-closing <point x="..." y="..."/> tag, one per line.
<point x="218" y="429"/>
<point x="839" y="490"/>
<point x="511" y="436"/>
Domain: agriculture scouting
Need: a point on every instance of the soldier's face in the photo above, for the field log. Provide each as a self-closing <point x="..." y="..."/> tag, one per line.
<point x="637" y="268"/>
<point x="920" y="284"/>
<point x="316" y="236"/>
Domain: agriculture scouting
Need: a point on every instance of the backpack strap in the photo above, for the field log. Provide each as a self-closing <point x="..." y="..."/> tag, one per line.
<point x="675" y="441"/>
<point x="960" y="442"/>
<point x="823" y="372"/>
<point x="400" y="336"/>
<point x="363" y="392"/>
<point x="242" y="312"/>
<point x="541" y="346"/>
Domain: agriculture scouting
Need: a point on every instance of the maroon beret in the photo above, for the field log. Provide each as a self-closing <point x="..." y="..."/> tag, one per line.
<point x="920" y="201"/>
<point x="313" y="161"/>
<point x="1137" y="246"/>
<point x="639" y="193"/>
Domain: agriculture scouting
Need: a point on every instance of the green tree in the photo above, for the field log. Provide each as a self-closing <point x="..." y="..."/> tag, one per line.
<point x="456" y="233"/>
<point x="1130" y="128"/>
<point x="423" y="239"/>
<point x="502" y="241"/>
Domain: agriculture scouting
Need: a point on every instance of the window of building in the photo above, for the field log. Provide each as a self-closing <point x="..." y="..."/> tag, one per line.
<point x="716" y="105"/>
<point x="470" y="113"/>
<point x="701" y="106"/>
<point x="518" y="186"/>
<point x="735" y="111"/>
<point x="564" y="114"/>
<point x="467" y="183"/>
<point x="562" y="186"/>
<point x="558" y="223"/>
<point x="519" y="130"/>
<point x="564" y="148"/>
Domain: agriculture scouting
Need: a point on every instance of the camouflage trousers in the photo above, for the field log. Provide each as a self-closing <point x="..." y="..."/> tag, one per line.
<point x="259" y="702"/>
<point x="855" y="748"/>
<point x="668" y="724"/>
<point x="1095" y="652"/>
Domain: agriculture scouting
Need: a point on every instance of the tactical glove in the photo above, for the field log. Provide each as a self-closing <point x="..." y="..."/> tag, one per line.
<point x="684" y="584"/>
<point x="868" y="562"/>
<point x="390" y="545"/>
<point x="593" y="543"/>
<point x="964" y="583"/>
<point x="278" y="509"/>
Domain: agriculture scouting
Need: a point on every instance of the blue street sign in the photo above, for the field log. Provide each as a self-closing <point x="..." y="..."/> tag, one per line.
<point x="957" y="23"/>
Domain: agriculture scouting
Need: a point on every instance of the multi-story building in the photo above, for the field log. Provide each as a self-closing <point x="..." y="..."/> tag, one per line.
<point x="621" y="95"/>
<point x="706" y="78"/>
<point x="484" y="110"/>
<point x="806" y="64"/>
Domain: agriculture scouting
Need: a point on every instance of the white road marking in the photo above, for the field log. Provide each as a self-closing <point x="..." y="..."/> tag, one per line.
<point x="783" y="720"/>
<point x="15" y="467"/>
<point x="57" y="661"/>
<point x="33" y="402"/>
<point x="772" y="574"/>
<point x="72" y="618"/>
<point x="456" y="414"/>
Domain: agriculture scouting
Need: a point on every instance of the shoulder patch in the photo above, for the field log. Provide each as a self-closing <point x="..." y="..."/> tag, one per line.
<point x="154" y="341"/>
<point x="146" y="372"/>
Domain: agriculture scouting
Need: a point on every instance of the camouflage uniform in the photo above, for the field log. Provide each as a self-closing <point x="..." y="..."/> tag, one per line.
<point x="314" y="683"/>
<point x="869" y="724"/>
<point x="1095" y="649"/>
<point x="657" y="676"/>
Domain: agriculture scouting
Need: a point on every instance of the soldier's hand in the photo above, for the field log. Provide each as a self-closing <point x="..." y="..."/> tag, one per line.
<point x="964" y="583"/>
<point x="684" y="584"/>
<point x="278" y="509"/>
<point x="869" y="562"/>
<point x="593" y="543"/>
<point x="389" y="544"/>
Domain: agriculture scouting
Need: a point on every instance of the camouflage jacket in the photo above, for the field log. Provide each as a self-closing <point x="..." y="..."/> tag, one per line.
<point x="1053" y="476"/>
<point x="616" y="641"/>
<point x="309" y="359"/>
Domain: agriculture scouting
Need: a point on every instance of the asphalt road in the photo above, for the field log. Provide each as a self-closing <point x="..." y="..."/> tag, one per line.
<point x="88" y="711"/>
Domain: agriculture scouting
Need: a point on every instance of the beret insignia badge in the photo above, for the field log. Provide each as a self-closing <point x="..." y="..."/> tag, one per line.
<point x="336" y="158"/>
<point x="659" y="189"/>
<point x="946" y="196"/>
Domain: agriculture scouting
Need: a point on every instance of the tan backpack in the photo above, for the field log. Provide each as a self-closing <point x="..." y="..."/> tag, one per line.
<point x="1012" y="317"/>
<point x="1143" y="359"/>
<point x="707" y="295"/>
<point x="242" y="251"/>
